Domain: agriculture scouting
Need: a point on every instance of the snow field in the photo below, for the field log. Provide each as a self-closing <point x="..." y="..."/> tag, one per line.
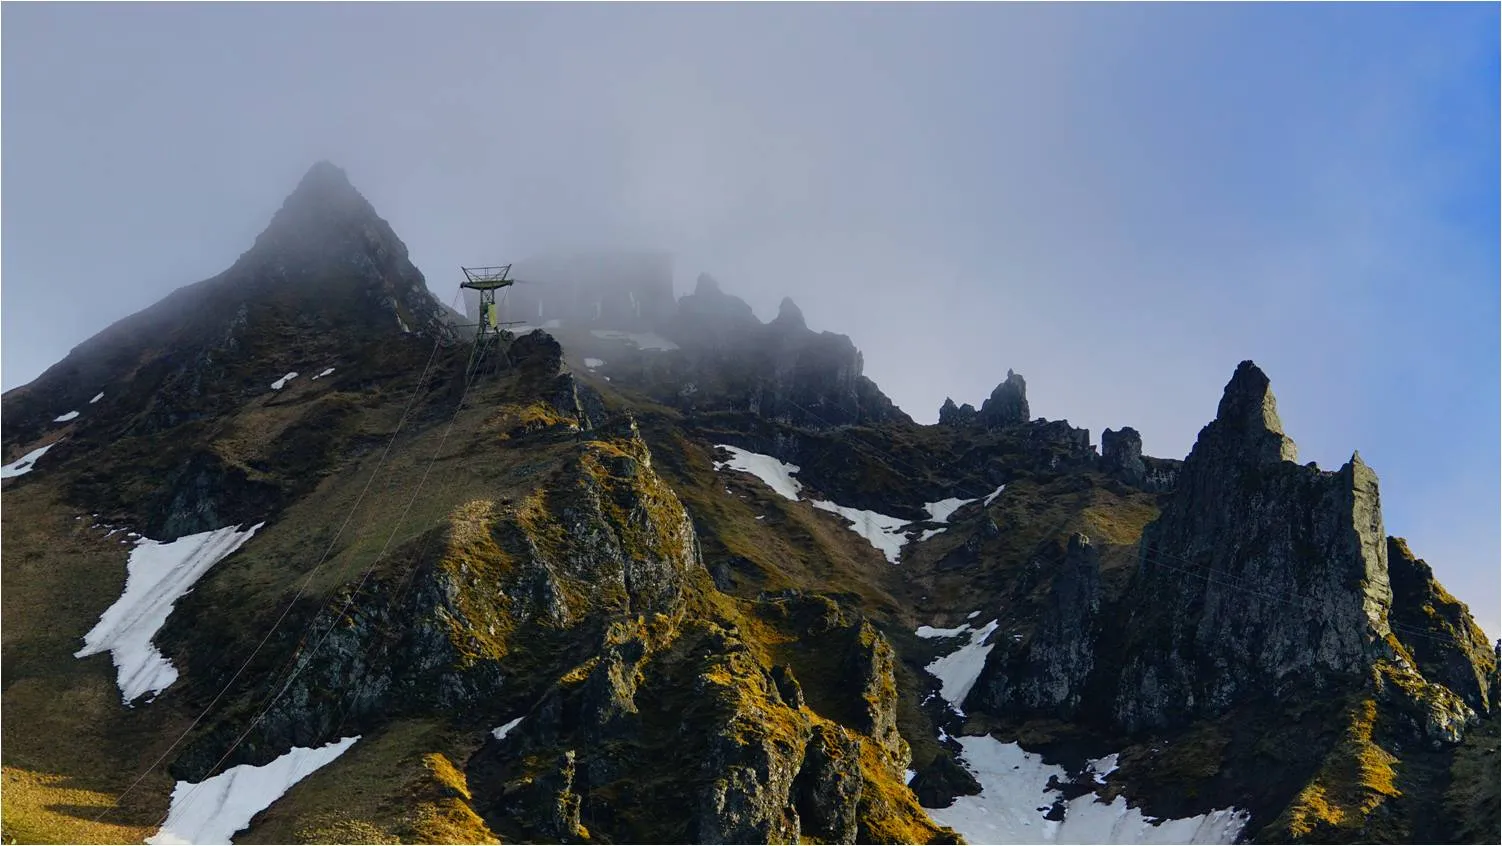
<point x="213" y="810"/>
<point x="157" y="575"/>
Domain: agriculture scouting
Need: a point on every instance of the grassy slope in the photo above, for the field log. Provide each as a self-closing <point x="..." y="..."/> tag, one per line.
<point x="70" y="746"/>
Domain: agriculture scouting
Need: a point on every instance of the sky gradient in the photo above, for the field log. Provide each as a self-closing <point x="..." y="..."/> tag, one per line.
<point x="1118" y="201"/>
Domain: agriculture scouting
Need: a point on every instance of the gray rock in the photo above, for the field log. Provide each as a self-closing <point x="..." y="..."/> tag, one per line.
<point x="1260" y="576"/>
<point x="1007" y="405"/>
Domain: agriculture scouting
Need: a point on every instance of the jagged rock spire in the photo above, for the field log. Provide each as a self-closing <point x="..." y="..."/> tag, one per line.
<point x="789" y="316"/>
<point x="1007" y="404"/>
<point x="1249" y="413"/>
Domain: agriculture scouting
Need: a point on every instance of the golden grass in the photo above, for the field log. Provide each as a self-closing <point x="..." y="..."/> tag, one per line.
<point x="42" y="808"/>
<point x="1355" y="779"/>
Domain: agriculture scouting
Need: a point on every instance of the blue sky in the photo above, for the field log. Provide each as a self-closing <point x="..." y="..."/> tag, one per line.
<point x="1118" y="201"/>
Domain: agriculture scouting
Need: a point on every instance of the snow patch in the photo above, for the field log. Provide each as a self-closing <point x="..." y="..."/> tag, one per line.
<point x="930" y="631"/>
<point x="642" y="340"/>
<point x="64" y="418"/>
<point x="282" y="382"/>
<point x="1015" y="795"/>
<point x="97" y="397"/>
<point x="25" y="464"/>
<point x="500" y="732"/>
<point x="215" y="809"/>
<point x="972" y="615"/>
<point x="402" y="323"/>
<point x="324" y="373"/>
<point x="157" y="575"/>
<point x="594" y="362"/>
<point x="883" y="532"/>
<point x="958" y="670"/>
<point x="775" y="474"/>
<point x="941" y="511"/>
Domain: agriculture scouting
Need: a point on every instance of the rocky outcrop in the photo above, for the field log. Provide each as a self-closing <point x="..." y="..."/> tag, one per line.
<point x="1438" y="632"/>
<point x="605" y="538"/>
<point x="1260" y="577"/>
<point x="871" y="668"/>
<point x="1049" y="671"/>
<point x="781" y="370"/>
<point x="1121" y="455"/>
<point x="1121" y="458"/>
<point x="1007" y="405"/>
<point x="953" y="415"/>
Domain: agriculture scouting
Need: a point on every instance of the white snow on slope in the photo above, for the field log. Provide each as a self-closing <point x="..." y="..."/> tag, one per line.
<point x="324" y="373"/>
<point x="642" y="340"/>
<point x="941" y="511"/>
<point x="880" y="530"/>
<point x="213" y="810"/>
<point x="958" y="670"/>
<point x="157" y="575"/>
<point x="930" y="631"/>
<point x="776" y="475"/>
<point x="500" y="732"/>
<point x="280" y="383"/>
<point x="1015" y="795"/>
<point x="25" y="464"/>
<point x="594" y="362"/>
<point x="524" y="328"/>
<point x="97" y="397"/>
<point x="64" y="418"/>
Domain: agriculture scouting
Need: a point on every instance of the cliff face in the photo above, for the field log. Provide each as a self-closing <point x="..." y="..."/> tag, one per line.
<point x="1261" y="576"/>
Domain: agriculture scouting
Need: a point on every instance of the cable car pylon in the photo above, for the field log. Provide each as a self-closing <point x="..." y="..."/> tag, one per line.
<point x="488" y="280"/>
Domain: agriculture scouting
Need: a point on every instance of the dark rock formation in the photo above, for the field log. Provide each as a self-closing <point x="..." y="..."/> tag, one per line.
<point x="780" y="370"/>
<point x="952" y="415"/>
<point x="1049" y="671"/>
<point x="607" y="538"/>
<point x="827" y="791"/>
<point x="1446" y="644"/>
<point x="1121" y="455"/>
<point x="1261" y="576"/>
<point x="1007" y="405"/>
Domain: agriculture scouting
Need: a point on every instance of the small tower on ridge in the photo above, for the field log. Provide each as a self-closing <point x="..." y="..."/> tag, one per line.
<point x="488" y="280"/>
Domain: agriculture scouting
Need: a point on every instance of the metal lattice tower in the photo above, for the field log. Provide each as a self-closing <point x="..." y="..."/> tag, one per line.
<point x="488" y="280"/>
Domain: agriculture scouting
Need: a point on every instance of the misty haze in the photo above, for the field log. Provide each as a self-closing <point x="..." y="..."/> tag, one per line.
<point x="689" y="423"/>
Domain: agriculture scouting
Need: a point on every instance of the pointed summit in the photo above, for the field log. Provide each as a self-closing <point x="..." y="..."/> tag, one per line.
<point x="325" y="210"/>
<point x="1248" y="412"/>
<point x="789" y="316"/>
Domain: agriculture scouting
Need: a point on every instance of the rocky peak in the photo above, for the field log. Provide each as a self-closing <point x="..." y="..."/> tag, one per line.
<point x="709" y="312"/>
<point x="1246" y="534"/>
<point x="789" y="316"/>
<point x="1007" y="405"/>
<point x="953" y="415"/>
<point x="1248" y="417"/>
<point x="323" y="204"/>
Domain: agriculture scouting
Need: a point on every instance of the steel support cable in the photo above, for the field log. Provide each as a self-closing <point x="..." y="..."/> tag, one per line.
<point x="302" y="588"/>
<point x="306" y="660"/>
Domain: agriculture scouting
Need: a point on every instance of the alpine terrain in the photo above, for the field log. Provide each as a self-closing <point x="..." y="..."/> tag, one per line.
<point x="290" y="556"/>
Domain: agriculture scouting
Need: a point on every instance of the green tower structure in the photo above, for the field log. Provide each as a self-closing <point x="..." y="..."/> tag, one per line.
<point x="487" y="280"/>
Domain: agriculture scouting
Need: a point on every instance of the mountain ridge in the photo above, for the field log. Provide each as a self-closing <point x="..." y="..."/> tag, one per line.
<point x="550" y="603"/>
